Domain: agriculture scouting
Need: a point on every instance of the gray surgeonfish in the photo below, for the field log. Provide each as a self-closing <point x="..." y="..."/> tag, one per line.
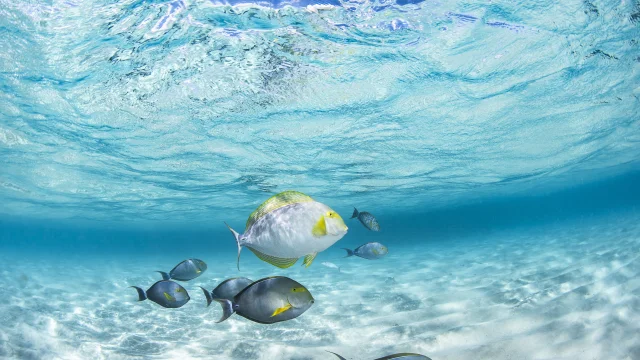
<point x="269" y="300"/>
<point x="187" y="270"/>
<point x="401" y="356"/>
<point x="165" y="293"/>
<point x="367" y="219"/>
<point x="371" y="251"/>
<point x="288" y="226"/>
<point x="227" y="289"/>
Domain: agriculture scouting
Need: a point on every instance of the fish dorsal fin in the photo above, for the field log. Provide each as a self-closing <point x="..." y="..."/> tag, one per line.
<point x="309" y="259"/>
<point x="339" y="357"/>
<point x="275" y="202"/>
<point x="396" y="356"/>
<point x="320" y="228"/>
<point x="282" y="263"/>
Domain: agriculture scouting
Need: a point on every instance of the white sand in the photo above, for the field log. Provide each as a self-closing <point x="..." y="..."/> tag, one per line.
<point x="568" y="291"/>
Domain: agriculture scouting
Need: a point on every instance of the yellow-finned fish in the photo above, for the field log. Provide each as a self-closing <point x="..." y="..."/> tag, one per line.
<point x="288" y="226"/>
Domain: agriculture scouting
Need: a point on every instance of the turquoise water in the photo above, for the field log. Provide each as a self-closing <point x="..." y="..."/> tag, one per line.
<point x="496" y="142"/>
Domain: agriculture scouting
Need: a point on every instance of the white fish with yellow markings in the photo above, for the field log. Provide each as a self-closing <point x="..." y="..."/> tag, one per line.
<point x="288" y="226"/>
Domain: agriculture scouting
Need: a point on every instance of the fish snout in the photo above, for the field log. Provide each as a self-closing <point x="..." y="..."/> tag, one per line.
<point x="301" y="301"/>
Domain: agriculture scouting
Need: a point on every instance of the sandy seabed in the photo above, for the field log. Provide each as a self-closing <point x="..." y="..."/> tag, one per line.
<point x="563" y="291"/>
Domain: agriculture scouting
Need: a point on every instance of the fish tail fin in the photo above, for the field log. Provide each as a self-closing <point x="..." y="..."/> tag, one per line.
<point x="339" y="357"/>
<point x="355" y="213"/>
<point x="349" y="252"/>
<point x="165" y="276"/>
<point x="227" y="309"/>
<point x="208" y="295"/>
<point x="237" y="237"/>
<point x="141" y="294"/>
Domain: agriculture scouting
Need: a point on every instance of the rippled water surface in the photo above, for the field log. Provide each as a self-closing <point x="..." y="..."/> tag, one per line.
<point x="175" y="111"/>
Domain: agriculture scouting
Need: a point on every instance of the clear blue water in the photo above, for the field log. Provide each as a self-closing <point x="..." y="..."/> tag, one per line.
<point x="497" y="143"/>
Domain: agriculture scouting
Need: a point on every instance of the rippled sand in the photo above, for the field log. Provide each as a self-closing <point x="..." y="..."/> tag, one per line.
<point x="569" y="291"/>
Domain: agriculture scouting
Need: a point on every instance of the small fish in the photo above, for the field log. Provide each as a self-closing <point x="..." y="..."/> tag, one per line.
<point x="367" y="219"/>
<point x="227" y="289"/>
<point x="331" y="265"/>
<point x="187" y="270"/>
<point x="401" y="356"/>
<point x="371" y="251"/>
<point x="165" y="293"/>
<point x="269" y="300"/>
<point x="288" y="226"/>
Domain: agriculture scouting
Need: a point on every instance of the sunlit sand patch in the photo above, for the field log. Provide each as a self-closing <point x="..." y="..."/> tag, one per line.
<point x="544" y="294"/>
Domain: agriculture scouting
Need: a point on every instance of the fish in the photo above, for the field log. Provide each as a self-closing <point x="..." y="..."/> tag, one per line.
<point x="165" y="293"/>
<point x="227" y="289"/>
<point x="331" y="265"/>
<point x="288" y="226"/>
<point x="371" y="251"/>
<point x="400" y="356"/>
<point x="269" y="300"/>
<point x="186" y="270"/>
<point x="367" y="219"/>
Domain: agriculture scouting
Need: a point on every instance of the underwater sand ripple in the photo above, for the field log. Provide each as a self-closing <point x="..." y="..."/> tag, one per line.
<point x="544" y="294"/>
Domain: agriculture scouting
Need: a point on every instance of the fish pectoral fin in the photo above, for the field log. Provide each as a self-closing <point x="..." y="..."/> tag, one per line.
<point x="282" y="263"/>
<point x="280" y="310"/>
<point x="309" y="259"/>
<point x="375" y="251"/>
<point x="320" y="228"/>
<point x="169" y="297"/>
<point x="198" y="271"/>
